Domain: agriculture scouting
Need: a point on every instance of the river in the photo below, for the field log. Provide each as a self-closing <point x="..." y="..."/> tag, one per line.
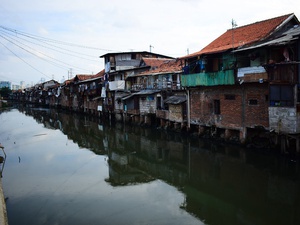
<point x="63" y="168"/>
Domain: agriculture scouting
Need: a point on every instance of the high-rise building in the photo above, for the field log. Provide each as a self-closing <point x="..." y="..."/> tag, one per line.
<point x="5" y="84"/>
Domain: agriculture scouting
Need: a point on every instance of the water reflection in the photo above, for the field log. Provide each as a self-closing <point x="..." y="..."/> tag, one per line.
<point x="220" y="184"/>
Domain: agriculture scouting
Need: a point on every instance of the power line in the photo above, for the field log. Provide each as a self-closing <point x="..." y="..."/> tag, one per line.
<point x="60" y="48"/>
<point x="25" y="61"/>
<point x="53" y="40"/>
<point x="33" y="53"/>
<point x="56" y="64"/>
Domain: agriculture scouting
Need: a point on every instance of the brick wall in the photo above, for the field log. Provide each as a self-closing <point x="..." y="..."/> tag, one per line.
<point x="257" y="114"/>
<point x="240" y="106"/>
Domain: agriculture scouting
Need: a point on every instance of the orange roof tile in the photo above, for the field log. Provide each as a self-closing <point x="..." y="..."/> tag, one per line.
<point x="155" y="62"/>
<point x="82" y="77"/>
<point x="243" y="35"/>
<point x="100" y="74"/>
<point x="169" y="66"/>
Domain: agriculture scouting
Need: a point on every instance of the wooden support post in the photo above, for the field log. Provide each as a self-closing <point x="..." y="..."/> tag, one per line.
<point x="297" y="145"/>
<point x="201" y="130"/>
<point x="227" y="134"/>
<point x="283" y="145"/>
<point x="162" y="124"/>
<point x="243" y="135"/>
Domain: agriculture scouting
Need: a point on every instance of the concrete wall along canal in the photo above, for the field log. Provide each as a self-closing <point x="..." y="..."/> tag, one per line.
<point x="3" y="213"/>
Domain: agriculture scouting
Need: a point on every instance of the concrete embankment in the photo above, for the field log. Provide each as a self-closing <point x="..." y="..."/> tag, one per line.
<point x="3" y="213"/>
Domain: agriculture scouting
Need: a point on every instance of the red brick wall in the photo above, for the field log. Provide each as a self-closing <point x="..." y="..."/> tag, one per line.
<point x="257" y="115"/>
<point x="232" y="111"/>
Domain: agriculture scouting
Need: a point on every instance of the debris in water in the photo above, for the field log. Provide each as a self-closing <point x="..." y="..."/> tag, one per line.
<point x="38" y="135"/>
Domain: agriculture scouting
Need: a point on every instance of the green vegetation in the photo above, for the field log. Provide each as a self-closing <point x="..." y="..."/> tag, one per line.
<point x="5" y="92"/>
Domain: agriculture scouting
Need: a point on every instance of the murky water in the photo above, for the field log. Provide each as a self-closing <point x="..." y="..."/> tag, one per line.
<point x="66" y="169"/>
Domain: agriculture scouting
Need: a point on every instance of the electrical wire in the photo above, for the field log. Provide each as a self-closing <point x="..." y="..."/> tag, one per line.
<point x="53" y="63"/>
<point x="25" y="61"/>
<point x="53" y="40"/>
<point x="34" y="54"/>
<point x="66" y="51"/>
<point x="19" y="39"/>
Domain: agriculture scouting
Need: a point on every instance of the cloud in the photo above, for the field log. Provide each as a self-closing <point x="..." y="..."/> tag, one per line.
<point x="173" y="27"/>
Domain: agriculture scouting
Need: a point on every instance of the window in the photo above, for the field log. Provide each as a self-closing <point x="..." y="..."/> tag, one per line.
<point x="230" y="97"/>
<point x="217" y="108"/>
<point x="252" y="102"/>
<point x="281" y="95"/>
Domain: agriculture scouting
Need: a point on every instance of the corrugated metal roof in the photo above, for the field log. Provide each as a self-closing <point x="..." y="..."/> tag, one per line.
<point x="144" y="53"/>
<point x="128" y="96"/>
<point x="143" y="92"/>
<point x="175" y="99"/>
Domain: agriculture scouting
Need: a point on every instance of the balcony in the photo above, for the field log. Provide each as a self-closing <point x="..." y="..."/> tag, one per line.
<point x="225" y="77"/>
<point x="117" y="85"/>
<point x="285" y="72"/>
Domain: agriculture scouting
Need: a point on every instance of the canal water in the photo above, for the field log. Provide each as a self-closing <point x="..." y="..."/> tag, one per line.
<point x="68" y="169"/>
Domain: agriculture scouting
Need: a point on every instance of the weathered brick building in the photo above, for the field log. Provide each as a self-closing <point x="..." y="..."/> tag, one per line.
<point x="241" y="80"/>
<point x="230" y="107"/>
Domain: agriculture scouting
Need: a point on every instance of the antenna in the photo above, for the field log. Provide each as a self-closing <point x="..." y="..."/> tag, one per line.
<point x="234" y="25"/>
<point x="151" y="47"/>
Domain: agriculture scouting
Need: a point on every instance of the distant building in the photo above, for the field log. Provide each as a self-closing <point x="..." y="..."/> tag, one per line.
<point x="5" y="84"/>
<point x="22" y="84"/>
<point x="15" y="87"/>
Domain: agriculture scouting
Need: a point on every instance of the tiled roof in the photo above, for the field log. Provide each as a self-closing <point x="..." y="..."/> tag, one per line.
<point x="243" y="35"/>
<point x="67" y="82"/>
<point x="82" y="77"/>
<point x="100" y="74"/>
<point x="170" y="66"/>
<point x="155" y="62"/>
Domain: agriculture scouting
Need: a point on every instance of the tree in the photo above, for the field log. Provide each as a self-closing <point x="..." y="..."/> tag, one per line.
<point x="5" y="92"/>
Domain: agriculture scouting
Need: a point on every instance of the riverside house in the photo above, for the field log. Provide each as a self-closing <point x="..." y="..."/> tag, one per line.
<point x="151" y="89"/>
<point x="82" y="93"/>
<point x="243" y="86"/>
<point x="119" y="67"/>
<point x="237" y="83"/>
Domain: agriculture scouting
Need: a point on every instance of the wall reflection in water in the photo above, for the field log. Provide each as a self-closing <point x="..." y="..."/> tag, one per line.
<point x="222" y="184"/>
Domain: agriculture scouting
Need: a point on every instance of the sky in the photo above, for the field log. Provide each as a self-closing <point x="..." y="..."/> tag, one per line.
<point x="57" y="39"/>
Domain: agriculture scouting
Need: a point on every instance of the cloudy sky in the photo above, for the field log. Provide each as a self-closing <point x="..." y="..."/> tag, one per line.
<point x="41" y="40"/>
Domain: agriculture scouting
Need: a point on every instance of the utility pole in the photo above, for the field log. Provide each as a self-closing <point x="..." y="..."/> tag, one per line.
<point x="70" y="74"/>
